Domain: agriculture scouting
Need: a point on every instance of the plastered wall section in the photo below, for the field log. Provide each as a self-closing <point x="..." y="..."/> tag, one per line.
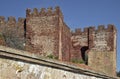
<point x="15" y="64"/>
<point x="20" y="70"/>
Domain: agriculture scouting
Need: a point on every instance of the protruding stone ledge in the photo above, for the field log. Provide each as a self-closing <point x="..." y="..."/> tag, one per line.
<point x="26" y="57"/>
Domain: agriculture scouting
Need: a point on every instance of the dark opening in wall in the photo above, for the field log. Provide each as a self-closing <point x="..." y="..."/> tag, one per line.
<point x="84" y="54"/>
<point x="25" y="28"/>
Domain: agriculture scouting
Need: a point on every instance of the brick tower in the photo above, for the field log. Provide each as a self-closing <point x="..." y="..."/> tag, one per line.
<point x="97" y="48"/>
<point x="102" y="54"/>
<point x="47" y="34"/>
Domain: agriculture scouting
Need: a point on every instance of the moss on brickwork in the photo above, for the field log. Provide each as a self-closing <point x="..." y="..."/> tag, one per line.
<point x="51" y="56"/>
<point x="79" y="61"/>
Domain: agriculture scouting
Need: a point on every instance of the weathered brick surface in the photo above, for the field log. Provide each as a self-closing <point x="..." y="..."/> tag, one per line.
<point x="66" y="42"/>
<point x="102" y="62"/>
<point x="102" y="56"/>
<point x="12" y="32"/>
<point x="104" y="38"/>
<point x="79" y="40"/>
<point x="45" y="33"/>
<point x="101" y="49"/>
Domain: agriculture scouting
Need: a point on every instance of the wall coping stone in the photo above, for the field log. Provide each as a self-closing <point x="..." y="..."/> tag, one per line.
<point x="20" y="55"/>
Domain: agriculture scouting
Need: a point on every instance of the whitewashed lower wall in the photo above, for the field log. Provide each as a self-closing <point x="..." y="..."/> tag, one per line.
<point x="16" y="64"/>
<point x="10" y="69"/>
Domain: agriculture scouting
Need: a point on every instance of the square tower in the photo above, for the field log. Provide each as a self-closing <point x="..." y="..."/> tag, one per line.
<point x="47" y="34"/>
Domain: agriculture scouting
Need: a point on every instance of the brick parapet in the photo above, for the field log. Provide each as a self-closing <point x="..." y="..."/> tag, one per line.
<point x="91" y="33"/>
<point x="43" y="25"/>
<point x="13" y="32"/>
<point x="43" y="28"/>
<point x="108" y="28"/>
<point x="43" y="12"/>
<point x="102" y="34"/>
<point x="78" y="31"/>
<point x="11" y="21"/>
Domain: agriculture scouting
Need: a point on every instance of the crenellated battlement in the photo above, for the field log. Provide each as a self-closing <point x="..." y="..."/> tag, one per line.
<point x="111" y="27"/>
<point x="108" y="28"/>
<point x="2" y="20"/>
<point x="91" y="29"/>
<point x="43" y="12"/>
<point x="101" y="27"/>
<point x="21" y="20"/>
<point x="79" y="31"/>
<point x="44" y="33"/>
<point x="11" y="20"/>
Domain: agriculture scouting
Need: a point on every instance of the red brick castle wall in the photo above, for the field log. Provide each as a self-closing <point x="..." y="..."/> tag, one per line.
<point x="44" y="32"/>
